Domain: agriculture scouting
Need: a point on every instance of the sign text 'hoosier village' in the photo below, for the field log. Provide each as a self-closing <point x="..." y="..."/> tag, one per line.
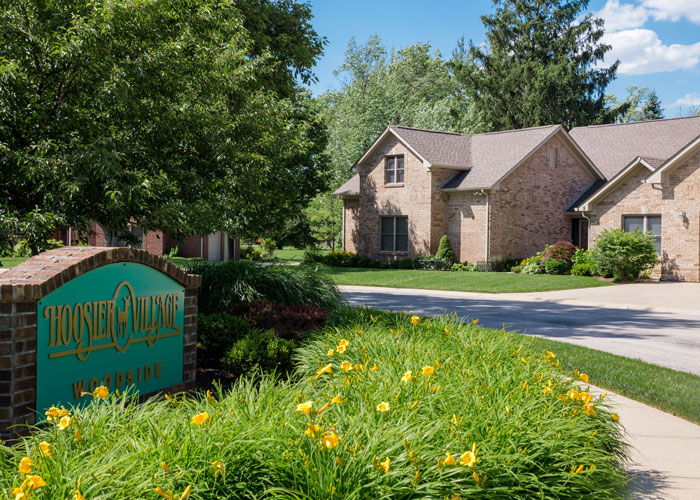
<point x="120" y="325"/>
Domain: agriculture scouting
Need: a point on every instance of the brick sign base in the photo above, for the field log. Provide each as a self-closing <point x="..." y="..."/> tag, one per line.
<point x="23" y="286"/>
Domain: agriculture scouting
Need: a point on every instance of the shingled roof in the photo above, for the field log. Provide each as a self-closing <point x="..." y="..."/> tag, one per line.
<point x="613" y="147"/>
<point x="350" y="188"/>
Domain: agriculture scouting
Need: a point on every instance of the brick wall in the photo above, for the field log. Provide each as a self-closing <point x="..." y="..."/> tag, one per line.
<point x="413" y="198"/>
<point x="527" y="209"/>
<point x="351" y="211"/>
<point x="23" y="286"/>
<point x="466" y="225"/>
<point x="680" y="239"/>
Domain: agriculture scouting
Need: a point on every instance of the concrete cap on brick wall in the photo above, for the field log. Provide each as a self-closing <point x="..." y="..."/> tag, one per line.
<point x="44" y="273"/>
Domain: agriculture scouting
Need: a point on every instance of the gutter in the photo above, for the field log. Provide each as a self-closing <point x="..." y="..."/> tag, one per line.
<point x="488" y="222"/>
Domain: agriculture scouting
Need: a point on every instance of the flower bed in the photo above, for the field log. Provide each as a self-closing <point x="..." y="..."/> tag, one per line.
<point x="384" y="407"/>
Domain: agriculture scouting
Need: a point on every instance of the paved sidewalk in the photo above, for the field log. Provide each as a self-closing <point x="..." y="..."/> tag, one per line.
<point x="664" y="451"/>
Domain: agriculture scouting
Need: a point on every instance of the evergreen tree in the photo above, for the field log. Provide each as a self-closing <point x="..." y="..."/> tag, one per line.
<point x="652" y="108"/>
<point x="445" y="249"/>
<point x="540" y="66"/>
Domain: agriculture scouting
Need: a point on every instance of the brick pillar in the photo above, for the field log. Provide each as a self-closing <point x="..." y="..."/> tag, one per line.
<point x="23" y="286"/>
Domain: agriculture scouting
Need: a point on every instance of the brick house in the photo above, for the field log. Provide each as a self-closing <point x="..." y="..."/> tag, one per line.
<point x="511" y="193"/>
<point x="213" y="247"/>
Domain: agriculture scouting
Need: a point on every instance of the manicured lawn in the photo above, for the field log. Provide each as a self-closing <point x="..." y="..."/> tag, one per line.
<point x="11" y="261"/>
<point x="673" y="391"/>
<point x="460" y="281"/>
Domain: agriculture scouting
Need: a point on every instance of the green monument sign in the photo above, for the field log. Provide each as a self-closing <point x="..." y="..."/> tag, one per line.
<point x="120" y="325"/>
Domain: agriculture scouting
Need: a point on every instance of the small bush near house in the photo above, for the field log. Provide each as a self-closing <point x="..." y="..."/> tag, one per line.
<point x="216" y="334"/>
<point x="286" y="321"/>
<point x="624" y="255"/>
<point x="516" y="269"/>
<point x="466" y="267"/>
<point x="268" y="246"/>
<point x="557" y="266"/>
<point x="561" y="250"/>
<point x="582" y="264"/>
<point x="432" y="263"/>
<point x="259" y="351"/>
<point x="227" y="285"/>
<point x="445" y="251"/>
<point x="531" y="265"/>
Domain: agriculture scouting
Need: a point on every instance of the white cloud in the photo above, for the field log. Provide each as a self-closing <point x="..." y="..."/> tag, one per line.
<point x="674" y="10"/>
<point x="641" y="52"/>
<point x="619" y="16"/>
<point x="689" y="100"/>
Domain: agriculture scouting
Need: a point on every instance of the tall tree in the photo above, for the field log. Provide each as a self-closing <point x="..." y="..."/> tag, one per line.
<point x="541" y="65"/>
<point x="652" y="108"/>
<point x="168" y="112"/>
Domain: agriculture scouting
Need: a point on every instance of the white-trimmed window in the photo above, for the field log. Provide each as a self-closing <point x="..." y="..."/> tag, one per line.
<point x="647" y="223"/>
<point x="393" y="169"/>
<point x="394" y="234"/>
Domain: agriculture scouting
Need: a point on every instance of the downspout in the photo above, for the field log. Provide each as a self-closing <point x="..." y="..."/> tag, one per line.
<point x="201" y="247"/>
<point x="488" y="221"/>
<point x="343" y="228"/>
<point x="588" y="232"/>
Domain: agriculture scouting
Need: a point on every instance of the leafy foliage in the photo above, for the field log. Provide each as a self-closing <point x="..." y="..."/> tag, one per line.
<point x="182" y="116"/>
<point x="226" y="285"/>
<point x="286" y="321"/>
<point x="541" y="66"/>
<point x="216" y="334"/>
<point x="325" y="219"/>
<point x="557" y="266"/>
<point x="259" y="351"/>
<point x="561" y="250"/>
<point x="624" y="255"/>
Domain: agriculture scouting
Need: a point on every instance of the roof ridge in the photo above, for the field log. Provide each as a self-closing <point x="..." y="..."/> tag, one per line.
<point x="641" y="122"/>
<point x="431" y="131"/>
<point x="516" y="130"/>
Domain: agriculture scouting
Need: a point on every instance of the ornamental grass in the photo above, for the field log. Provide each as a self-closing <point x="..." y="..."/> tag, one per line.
<point x="482" y="415"/>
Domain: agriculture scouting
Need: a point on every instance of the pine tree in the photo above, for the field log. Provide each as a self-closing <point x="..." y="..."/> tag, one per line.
<point x="540" y="66"/>
<point x="652" y="108"/>
<point x="445" y="249"/>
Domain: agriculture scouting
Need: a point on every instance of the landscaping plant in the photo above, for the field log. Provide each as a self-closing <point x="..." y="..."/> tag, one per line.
<point x="228" y="284"/>
<point x="259" y="351"/>
<point x="623" y="255"/>
<point x="216" y="334"/>
<point x="445" y="251"/>
<point x="557" y="266"/>
<point x="387" y="406"/>
<point x="561" y="250"/>
<point x="286" y="321"/>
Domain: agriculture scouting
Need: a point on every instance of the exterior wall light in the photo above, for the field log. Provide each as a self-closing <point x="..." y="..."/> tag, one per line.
<point x="681" y="215"/>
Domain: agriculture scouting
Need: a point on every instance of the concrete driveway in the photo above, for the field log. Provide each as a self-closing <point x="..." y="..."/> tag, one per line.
<point x="656" y="322"/>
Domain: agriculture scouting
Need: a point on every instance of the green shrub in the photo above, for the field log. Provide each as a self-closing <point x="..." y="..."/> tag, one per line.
<point x="582" y="270"/>
<point x="624" y="255"/>
<point x="402" y="264"/>
<point x="445" y="251"/>
<point x="561" y="250"/>
<point x="531" y="265"/>
<point x="516" y="269"/>
<point x="253" y="254"/>
<point x="173" y="252"/>
<point x="433" y="263"/>
<point x="268" y="246"/>
<point x="557" y="266"/>
<point x="216" y="334"/>
<point x="259" y="351"/>
<point x="228" y="284"/>
<point x="21" y="249"/>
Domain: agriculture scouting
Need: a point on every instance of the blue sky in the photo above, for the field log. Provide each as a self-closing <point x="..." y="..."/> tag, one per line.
<point x="657" y="41"/>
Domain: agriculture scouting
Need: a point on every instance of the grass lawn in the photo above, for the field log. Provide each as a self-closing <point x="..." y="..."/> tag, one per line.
<point x="460" y="281"/>
<point x="673" y="391"/>
<point x="11" y="261"/>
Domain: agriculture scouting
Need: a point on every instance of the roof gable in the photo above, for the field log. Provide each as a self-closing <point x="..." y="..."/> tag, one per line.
<point x="658" y="176"/>
<point x="583" y="204"/>
<point x="613" y="147"/>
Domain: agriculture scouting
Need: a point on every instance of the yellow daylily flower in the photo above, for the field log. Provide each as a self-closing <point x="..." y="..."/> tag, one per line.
<point x="64" y="422"/>
<point x="475" y="321"/>
<point x="450" y="460"/>
<point x="615" y="417"/>
<point x="101" y="392"/>
<point x="336" y="400"/>
<point x="579" y="469"/>
<point x="374" y="368"/>
<point x="325" y="369"/>
<point x="415" y="320"/>
<point x="428" y="370"/>
<point x="217" y="467"/>
<point x="160" y="491"/>
<point x="407" y="377"/>
<point x="330" y="352"/>
<point x="25" y="466"/>
<point x="323" y="408"/>
<point x="584" y="377"/>
<point x="166" y="468"/>
<point x="341" y="348"/>
<point x="78" y="496"/>
<point x="305" y="407"/>
<point x="435" y="389"/>
<point x="346" y="366"/>
<point x="415" y="403"/>
<point x="467" y="459"/>
<point x="330" y="440"/>
<point x="312" y="430"/>
<point x="385" y="465"/>
<point x="476" y="477"/>
<point x="383" y="407"/>
<point x="199" y="419"/>
<point x="36" y="481"/>
<point x="45" y="448"/>
<point x="550" y="355"/>
<point x="344" y="342"/>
